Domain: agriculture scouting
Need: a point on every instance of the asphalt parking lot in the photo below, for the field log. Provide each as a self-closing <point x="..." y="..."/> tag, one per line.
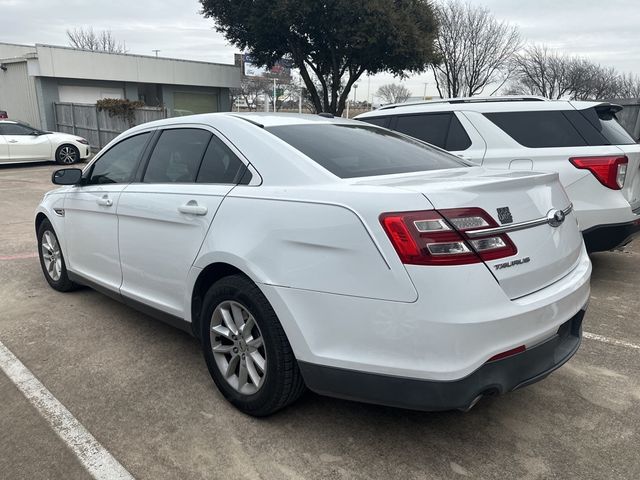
<point x="142" y="389"/>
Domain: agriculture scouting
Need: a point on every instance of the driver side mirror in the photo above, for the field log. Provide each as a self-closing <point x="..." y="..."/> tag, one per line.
<point x="67" y="176"/>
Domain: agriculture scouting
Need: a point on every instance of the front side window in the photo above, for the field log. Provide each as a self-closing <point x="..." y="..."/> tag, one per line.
<point x="119" y="163"/>
<point x="350" y="151"/>
<point x="177" y="156"/>
<point x="428" y="128"/>
<point x="379" y="121"/>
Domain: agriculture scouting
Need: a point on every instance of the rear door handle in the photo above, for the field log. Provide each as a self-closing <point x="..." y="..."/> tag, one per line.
<point x="13" y="141"/>
<point x="105" y="201"/>
<point x="192" y="208"/>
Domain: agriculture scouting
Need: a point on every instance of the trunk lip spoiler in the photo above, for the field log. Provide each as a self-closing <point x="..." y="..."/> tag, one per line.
<point x="516" y="226"/>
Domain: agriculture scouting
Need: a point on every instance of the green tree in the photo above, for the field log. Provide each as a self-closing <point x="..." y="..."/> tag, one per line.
<point x="333" y="42"/>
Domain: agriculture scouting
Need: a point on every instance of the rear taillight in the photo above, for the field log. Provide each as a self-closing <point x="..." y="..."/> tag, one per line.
<point x="433" y="237"/>
<point x="610" y="171"/>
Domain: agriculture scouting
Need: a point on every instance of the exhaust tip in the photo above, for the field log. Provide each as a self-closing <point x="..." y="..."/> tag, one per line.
<point x="472" y="403"/>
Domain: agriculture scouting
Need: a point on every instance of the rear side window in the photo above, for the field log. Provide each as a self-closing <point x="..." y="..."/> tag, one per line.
<point x="605" y="122"/>
<point x="440" y="129"/>
<point x="220" y="165"/>
<point x="538" y="129"/>
<point x="359" y="151"/>
<point x="177" y="156"/>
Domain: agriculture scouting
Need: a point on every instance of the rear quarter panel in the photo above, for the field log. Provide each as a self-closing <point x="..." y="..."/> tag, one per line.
<point x="308" y="243"/>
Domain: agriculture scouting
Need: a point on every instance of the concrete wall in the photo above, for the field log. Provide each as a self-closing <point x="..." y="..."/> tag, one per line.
<point x="18" y="94"/>
<point x="61" y="62"/>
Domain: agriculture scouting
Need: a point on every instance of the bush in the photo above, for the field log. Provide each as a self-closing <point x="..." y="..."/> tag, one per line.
<point x="119" y="107"/>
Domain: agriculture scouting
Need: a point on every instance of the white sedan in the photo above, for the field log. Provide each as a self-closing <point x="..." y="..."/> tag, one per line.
<point x="326" y="253"/>
<point x="21" y="143"/>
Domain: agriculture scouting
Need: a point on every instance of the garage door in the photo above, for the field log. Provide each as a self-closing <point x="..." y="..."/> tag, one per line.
<point x="186" y="103"/>
<point x="82" y="94"/>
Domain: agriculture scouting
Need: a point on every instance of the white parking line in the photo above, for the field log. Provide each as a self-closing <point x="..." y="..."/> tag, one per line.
<point x="611" y="341"/>
<point x="100" y="464"/>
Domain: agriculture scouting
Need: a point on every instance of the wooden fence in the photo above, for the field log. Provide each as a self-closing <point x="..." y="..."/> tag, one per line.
<point x="97" y="126"/>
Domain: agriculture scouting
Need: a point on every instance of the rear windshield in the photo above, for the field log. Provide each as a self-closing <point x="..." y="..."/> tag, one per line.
<point x="350" y="151"/>
<point x="566" y="128"/>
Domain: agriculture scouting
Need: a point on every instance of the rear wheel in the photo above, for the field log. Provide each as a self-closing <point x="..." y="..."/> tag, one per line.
<point x="67" y="155"/>
<point x="246" y="349"/>
<point x="52" y="260"/>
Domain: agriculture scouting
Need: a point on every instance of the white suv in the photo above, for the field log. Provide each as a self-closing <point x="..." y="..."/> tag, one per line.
<point x="597" y="160"/>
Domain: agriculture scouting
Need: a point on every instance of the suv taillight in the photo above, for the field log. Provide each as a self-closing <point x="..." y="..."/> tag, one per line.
<point x="610" y="171"/>
<point x="433" y="237"/>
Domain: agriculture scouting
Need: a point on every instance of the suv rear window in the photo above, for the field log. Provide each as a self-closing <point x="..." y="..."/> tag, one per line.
<point x="350" y="151"/>
<point x="570" y="128"/>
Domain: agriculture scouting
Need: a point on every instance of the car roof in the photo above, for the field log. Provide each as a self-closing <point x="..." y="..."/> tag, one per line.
<point x="481" y="104"/>
<point x="260" y="119"/>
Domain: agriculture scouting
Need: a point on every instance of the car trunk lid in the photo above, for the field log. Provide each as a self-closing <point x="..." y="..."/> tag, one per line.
<point x="518" y="201"/>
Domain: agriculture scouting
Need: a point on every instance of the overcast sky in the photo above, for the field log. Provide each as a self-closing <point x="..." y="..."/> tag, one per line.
<point x="606" y="32"/>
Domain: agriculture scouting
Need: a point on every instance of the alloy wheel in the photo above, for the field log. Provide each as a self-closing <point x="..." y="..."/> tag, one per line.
<point x="67" y="155"/>
<point x="238" y="347"/>
<point x="51" y="255"/>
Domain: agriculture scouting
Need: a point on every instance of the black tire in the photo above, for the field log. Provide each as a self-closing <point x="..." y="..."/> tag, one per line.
<point x="282" y="382"/>
<point x="61" y="284"/>
<point x="67" y="154"/>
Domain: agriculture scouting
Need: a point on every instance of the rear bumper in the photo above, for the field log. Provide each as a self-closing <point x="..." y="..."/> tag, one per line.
<point x="607" y="237"/>
<point x="495" y="377"/>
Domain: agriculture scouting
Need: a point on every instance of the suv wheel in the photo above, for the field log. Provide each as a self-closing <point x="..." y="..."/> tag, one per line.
<point x="246" y="349"/>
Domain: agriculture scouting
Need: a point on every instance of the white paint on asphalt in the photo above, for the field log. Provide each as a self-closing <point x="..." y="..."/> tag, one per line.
<point x="100" y="464"/>
<point x="611" y="341"/>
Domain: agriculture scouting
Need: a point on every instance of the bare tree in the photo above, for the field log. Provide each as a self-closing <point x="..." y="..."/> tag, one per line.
<point x="393" y="93"/>
<point x="474" y="48"/>
<point x="629" y="86"/>
<point x="250" y="91"/>
<point x="538" y="71"/>
<point x="87" y="39"/>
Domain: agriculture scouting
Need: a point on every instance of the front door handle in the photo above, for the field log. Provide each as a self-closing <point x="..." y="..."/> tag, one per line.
<point x="13" y="141"/>
<point x="192" y="208"/>
<point x="105" y="201"/>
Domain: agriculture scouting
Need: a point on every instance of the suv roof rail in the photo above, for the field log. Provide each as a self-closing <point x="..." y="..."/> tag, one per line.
<point x="507" y="98"/>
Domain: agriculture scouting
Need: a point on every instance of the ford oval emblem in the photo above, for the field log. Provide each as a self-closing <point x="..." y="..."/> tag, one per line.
<point x="555" y="218"/>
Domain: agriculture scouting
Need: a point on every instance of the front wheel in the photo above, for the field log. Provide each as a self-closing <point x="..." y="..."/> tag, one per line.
<point x="246" y="349"/>
<point x="67" y="155"/>
<point x="52" y="260"/>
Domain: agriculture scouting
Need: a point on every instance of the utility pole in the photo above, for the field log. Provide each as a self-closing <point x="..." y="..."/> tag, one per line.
<point x="368" y="87"/>
<point x="274" y="95"/>
<point x="424" y="96"/>
<point x="156" y="52"/>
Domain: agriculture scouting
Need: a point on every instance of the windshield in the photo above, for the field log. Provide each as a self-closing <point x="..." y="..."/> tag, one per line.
<point x="350" y="151"/>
